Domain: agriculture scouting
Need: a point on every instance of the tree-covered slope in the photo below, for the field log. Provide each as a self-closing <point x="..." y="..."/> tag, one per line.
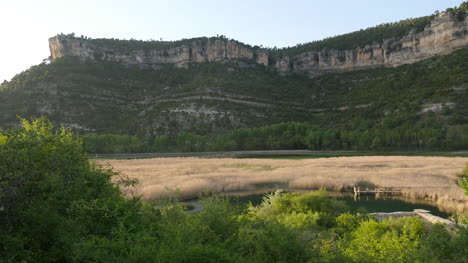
<point x="109" y="97"/>
<point x="211" y="97"/>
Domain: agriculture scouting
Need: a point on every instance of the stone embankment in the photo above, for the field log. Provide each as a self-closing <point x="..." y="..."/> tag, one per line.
<point x="421" y="213"/>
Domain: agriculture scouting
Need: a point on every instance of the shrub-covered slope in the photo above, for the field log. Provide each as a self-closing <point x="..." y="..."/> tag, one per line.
<point x="212" y="98"/>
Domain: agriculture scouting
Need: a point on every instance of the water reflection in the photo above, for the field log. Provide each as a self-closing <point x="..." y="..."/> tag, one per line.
<point x="366" y="204"/>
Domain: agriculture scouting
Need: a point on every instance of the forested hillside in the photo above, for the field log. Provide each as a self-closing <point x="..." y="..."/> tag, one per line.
<point x="211" y="98"/>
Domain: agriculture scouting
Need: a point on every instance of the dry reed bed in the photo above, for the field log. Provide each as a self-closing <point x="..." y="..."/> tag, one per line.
<point x="430" y="178"/>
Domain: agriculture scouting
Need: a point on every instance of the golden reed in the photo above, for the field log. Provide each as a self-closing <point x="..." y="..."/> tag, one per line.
<point x="428" y="178"/>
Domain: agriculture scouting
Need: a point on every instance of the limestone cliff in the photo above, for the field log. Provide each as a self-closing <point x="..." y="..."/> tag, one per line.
<point x="445" y="34"/>
<point x="196" y="51"/>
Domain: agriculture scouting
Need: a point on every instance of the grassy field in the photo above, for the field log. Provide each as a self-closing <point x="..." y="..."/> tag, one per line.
<point x="429" y="178"/>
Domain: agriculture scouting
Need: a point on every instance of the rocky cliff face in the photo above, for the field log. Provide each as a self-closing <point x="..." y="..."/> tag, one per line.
<point x="444" y="35"/>
<point x="194" y="52"/>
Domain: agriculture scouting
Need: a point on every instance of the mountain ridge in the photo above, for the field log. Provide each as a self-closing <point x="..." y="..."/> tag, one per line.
<point x="446" y="32"/>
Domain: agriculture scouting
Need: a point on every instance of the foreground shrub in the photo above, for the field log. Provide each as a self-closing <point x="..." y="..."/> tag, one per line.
<point x="393" y="240"/>
<point x="52" y="196"/>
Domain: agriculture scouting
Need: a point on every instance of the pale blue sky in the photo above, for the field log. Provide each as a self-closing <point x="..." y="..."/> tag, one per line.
<point x="26" y="25"/>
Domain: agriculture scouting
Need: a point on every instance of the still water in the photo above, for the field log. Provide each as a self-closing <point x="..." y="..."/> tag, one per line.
<point x="366" y="204"/>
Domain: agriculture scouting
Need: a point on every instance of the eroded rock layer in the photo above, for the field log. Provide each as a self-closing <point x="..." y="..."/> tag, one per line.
<point x="445" y="34"/>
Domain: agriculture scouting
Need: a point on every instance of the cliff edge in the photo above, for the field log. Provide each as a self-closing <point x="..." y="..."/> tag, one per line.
<point x="447" y="32"/>
<point x="179" y="53"/>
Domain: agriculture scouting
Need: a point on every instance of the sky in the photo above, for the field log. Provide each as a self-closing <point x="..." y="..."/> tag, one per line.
<point x="26" y="25"/>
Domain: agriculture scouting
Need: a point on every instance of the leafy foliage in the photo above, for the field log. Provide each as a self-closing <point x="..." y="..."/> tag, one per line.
<point x="464" y="180"/>
<point x="394" y="240"/>
<point x="290" y="135"/>
<point x="51" y="195"/>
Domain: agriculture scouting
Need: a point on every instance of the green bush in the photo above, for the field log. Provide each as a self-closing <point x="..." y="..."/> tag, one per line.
<point x="393" y="240"/>
<point x="56" y="203"/>
<point x="464" y="180"/>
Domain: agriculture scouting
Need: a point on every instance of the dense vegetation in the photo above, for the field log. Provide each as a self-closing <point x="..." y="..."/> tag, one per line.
<point x="290" y="136"/>
<point x="59" y="207"/>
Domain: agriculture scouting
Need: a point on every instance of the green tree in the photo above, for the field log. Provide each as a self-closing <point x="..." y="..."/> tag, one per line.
<point x="52" y="196"/>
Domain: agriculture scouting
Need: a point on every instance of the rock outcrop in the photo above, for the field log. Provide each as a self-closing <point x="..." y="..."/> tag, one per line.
<point x="209" y="50"/>
<point x="445" y="34"/>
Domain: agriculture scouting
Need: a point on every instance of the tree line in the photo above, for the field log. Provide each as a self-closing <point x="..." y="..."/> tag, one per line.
<point x="289" y="135"/>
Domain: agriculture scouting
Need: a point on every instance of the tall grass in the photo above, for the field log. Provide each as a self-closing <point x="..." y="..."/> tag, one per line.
<point x="429" y="178"/>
